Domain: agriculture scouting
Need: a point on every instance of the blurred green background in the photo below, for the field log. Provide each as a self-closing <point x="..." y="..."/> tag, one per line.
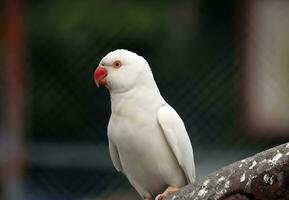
<point x="191" y="55"/>
<point x="196" y="52"/>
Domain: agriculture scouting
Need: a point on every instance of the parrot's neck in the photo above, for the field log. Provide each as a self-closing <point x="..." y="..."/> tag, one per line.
<point x="145" y="95"/>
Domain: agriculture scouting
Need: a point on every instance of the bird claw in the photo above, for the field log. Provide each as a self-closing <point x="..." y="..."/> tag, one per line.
<point x="159" y="197"/>
<point x="168" y="191"/>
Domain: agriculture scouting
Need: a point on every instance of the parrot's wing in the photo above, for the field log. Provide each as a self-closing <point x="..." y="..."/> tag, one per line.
<point x="114" y="156"/>
<point x="178" y="139"/>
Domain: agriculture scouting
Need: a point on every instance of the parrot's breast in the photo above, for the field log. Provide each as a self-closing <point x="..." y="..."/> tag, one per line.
<point x="145" y="156"/>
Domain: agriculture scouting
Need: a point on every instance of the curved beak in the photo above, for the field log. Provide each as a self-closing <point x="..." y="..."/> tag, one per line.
<point x="99" y="76"/>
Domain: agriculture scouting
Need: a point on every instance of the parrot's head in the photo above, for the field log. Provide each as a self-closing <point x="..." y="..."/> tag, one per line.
<point x="122" y="70"/>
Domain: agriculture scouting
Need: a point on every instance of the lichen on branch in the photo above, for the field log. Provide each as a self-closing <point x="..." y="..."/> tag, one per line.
<point x="264" y="176"/>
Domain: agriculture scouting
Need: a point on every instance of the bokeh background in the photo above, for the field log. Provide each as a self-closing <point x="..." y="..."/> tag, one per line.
<point x="223" y="65"/>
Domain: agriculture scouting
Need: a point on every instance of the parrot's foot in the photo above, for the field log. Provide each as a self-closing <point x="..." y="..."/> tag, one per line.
<point x="169" y="190"/>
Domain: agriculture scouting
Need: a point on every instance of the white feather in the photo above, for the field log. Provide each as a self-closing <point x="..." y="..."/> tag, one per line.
<point x="178" y="139"/>
<point x="148" y="141"/>
<point x="114" y="156"/>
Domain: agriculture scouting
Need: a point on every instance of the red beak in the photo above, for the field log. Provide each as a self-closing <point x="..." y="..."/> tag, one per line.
<point x="99" y="76"/>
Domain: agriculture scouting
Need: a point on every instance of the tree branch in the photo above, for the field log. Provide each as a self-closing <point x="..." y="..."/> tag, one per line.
<point x="264" y="176"/>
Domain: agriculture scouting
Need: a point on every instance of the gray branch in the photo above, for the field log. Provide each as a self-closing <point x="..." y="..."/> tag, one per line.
<point x="264" y="176"/>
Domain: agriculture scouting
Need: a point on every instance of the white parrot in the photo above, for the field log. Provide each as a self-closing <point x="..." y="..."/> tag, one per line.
<point x="148" y="141"/>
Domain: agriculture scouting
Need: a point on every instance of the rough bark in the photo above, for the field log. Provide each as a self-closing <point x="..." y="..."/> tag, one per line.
<point x="264" y="176"/>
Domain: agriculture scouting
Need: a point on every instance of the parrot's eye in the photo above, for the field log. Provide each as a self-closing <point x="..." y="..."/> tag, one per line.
<point x="116" y="64"/>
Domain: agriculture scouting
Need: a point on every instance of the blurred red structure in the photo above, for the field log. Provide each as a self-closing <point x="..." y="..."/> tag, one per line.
<point x="266" y="68"/>
<point x="13" y="101"/>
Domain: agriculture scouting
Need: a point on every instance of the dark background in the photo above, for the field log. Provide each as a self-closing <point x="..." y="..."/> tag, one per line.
<point x="196" y="50"/>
